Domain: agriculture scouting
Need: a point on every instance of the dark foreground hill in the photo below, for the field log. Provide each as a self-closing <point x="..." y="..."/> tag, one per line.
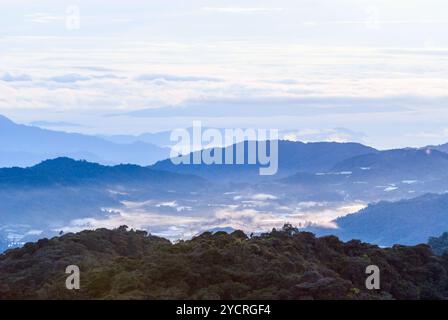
<point x="287" y="264"/>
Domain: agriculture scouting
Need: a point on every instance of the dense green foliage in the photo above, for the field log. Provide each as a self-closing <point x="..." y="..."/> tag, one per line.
<point x="285" y="264"/>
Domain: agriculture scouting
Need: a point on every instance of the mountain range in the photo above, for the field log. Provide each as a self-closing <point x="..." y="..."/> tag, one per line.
<point x="389" y="174"/>
<point x="440" y="147"/>
<point x="292" y="157"/>
<point x="53" y="193"/>
<point x="385" y="223"/>
<point x="403" y="189"/>
<point x="57" y="191"/>
<point x="23" y="145"/>
<point x="66" y="171"/>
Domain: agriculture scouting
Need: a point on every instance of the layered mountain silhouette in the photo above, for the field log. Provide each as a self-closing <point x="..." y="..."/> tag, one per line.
<point x="389" y="174"/>
<point x="400" y="162"/>
<point x="54" y="192"/>
<point x="440" y="147"/>
<point x="292" y="157"/>
<point x="22" y="145"/>
<point x="385" y="223"/>
<point x="66" y="171"/>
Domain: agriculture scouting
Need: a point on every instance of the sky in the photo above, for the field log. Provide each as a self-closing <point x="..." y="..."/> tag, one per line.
<point x="373" y="71"/>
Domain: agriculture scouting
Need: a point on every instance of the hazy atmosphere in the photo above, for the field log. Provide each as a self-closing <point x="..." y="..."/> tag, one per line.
<point x="374" y="71"/>
<point x="224" y="150"/>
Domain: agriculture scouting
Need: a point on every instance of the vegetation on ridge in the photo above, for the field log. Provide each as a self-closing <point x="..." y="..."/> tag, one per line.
<point x="282" y="264"/>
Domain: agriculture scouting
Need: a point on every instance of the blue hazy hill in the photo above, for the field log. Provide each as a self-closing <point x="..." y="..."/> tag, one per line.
<point x="66" y="171"/>
<point x="292" y="157"/>
<point x="399" y="161"/>
<point x="3" y="242"/>
<point x="55" y="192"/>
<point x="22" y="145"/>
<point x="385" y="223"/>
<point x="384" y="175"/>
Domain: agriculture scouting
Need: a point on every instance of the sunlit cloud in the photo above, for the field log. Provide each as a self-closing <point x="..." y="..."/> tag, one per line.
<point x="352" y="57"/>
<point x="243" y="10"/>
<point x="41" y="17"/>
<point x="139" y="215"/>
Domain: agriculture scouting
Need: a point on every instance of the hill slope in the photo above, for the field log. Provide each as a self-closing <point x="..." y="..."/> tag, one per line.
<point x="408" y="221"/>
<point x="54" y="192"/>
<point x="384" y="175"/>
<point x="285" y="264"/>
<point x="400" y="163"/>
<point x="292" y="157"/>
<point x="67" y="171"/>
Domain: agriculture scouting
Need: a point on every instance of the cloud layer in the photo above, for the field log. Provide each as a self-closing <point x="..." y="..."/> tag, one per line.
<point x="305" y="65"/>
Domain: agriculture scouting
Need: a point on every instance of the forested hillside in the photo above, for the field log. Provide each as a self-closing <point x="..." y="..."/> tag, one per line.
<point x="284" y="264"/>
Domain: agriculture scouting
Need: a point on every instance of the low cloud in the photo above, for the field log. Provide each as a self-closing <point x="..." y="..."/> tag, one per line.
<point x="169" y="77"/>
<point x="69" y="78"/>
<point x="42" y="17"/>
<point x="263" y="197"/>
<point x="8" y="77"/>
<point x="285" y="106"/>
<point x="249" y="219"/>
<point x="154" y="222"/>
<point x="94" y="68"/>
<point x="329" y="135"/>
<point x="243" y="10"/>
<point x="55" y="124"/>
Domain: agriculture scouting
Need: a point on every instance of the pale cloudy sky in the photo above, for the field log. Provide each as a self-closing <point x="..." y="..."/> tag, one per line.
<point x="372" y="71"/>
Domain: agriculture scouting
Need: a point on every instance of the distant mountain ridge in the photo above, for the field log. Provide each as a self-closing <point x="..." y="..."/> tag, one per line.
<point x="292" y="157"/>
<point x="389" y="174"/>
<point x="68" y="172"/>
<point x="385" y="223"/>
<point x="22" y="145"/>
<point x="405" y="161"/>
<point x="440" y="147"/>
<point x="50" y="195"/>
<point x="57" y="191"/>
